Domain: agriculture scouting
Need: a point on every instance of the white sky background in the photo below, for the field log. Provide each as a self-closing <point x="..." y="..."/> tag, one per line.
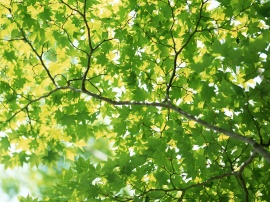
<point x="21" y="176"/>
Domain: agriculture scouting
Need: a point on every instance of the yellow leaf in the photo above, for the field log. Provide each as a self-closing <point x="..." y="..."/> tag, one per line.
<point x="152" y="178"/>
<point x="197" y="180"/>
<point x="223" y="137"/>
<point x="178" y="194"/>
<point x="192" y="124"/>
<point x="24" y="144"/>
<point x="81" y="144"/>
<point x="188" y="98"/>
<point x="105" y="13"/>
<point x="200" y="105"/>
<point x="70" y="154"/>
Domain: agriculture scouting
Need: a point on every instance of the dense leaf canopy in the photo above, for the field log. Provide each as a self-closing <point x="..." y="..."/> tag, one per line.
<point x="165" y="100"/>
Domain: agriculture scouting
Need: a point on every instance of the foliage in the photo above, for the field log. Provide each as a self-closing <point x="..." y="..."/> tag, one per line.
<point x="139" y="100"/>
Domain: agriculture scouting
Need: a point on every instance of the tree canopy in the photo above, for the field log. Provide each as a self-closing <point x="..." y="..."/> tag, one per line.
<point x="165" y="100"/>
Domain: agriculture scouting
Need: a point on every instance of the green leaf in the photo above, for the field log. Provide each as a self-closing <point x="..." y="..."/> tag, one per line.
<point x="176" y="97"/>
<point x="5" y="143"/>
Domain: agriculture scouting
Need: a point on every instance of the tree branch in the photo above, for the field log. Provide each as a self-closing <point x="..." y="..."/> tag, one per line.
<point x="167" y="105"/>
<point x="239" y="173"/>
<point x="36" y="53"/>
<point x="177" y="53"/>
<point x="35" y="100"/>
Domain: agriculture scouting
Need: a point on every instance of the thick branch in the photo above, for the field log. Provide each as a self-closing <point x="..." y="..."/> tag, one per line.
<point x="239" y="173"/>
<point x="257" y="147"/>
<point x="247" y="162"/>
<point x="167" y="105"/>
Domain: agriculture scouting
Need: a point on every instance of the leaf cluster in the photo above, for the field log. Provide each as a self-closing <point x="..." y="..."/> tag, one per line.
<point x="138" y="100"/>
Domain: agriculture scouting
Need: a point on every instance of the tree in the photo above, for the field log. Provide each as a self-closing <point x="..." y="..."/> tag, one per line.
<point x="138" y="100"/>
